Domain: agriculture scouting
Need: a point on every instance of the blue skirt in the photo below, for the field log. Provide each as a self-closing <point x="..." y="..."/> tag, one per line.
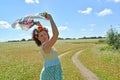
<point x="51" y="70"/>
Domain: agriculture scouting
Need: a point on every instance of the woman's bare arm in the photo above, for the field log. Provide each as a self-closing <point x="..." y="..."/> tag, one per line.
<point x="47" y="46"/>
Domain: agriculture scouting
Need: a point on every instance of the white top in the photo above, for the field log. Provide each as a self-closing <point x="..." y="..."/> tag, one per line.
<point x="49" y="56"/>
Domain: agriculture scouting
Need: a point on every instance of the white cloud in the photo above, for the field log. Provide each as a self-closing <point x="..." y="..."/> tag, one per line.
<point x="32" y="1"/>
<point x="116" y="1"/>
<point x="62" y="28"/>
<point x="87" y="11"/>
<point x="105" y="12"/>
<point x="4" y="24"/>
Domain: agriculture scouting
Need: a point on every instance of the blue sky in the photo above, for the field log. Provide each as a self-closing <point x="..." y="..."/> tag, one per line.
<point x="74" y="18"/>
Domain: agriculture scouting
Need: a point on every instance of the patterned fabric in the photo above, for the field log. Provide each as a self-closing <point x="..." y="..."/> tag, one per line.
<point x="51" y="73"/>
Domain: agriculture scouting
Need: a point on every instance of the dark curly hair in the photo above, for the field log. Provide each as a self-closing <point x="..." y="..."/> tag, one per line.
<point x="35" y="35"/>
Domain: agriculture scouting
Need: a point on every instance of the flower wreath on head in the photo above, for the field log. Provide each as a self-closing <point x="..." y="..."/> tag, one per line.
<point x="40" y="28"/>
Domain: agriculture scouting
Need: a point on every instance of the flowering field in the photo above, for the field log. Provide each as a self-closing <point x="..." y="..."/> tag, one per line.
<point x="106" y="64"/>
<point x="22" y="60"/>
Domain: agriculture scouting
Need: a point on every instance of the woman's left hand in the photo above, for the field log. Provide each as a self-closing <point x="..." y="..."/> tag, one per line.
<point x="48" y="16"/>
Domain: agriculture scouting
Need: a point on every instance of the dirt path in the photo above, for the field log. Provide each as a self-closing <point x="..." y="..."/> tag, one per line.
<point x="63" y="54"/>
<point x="87" y="74"/>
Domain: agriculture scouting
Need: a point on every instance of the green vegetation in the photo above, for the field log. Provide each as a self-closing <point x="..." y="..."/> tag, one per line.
<point x="104" y="63"/>
<point x="22" y="60"/>
<point x="70" y="71"/>
<point x="19" y="61"/>
<point x="113" y="38"/>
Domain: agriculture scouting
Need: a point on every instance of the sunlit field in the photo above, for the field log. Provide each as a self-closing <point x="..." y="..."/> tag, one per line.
<point x="22" y="60"/>
<point x="106" y="64"/>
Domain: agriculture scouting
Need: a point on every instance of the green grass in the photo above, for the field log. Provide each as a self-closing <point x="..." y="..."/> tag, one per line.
<point x="19" y="61"/>
<point x="106" y="64"/>
<point x="70" y="71"/>
<point x="22" y="60"/>
<point x="19" y="69"/>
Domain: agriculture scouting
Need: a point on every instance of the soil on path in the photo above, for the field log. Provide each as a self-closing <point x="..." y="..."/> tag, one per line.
<point x="87" y="74"/>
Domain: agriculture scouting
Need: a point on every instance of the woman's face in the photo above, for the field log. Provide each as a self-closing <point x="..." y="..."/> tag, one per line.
<point x="43" y="36"/>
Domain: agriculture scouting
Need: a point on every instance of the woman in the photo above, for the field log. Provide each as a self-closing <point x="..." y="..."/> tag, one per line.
<point x="52" y="67"/>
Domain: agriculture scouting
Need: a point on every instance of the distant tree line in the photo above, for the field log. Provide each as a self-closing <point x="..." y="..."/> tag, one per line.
<point x="92" y="37"/>
<point x="20" y="40"/>
<point x="81" y="38"/>
<point x="60" y="39"/>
